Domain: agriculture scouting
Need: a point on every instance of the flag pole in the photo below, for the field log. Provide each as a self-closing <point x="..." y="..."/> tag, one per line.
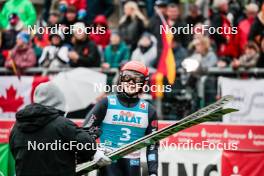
<point x="14" y="67"/>
<point x="163" y="20"/>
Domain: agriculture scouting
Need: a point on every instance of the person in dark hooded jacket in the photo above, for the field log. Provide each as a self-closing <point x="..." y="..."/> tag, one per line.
<point x="42" y="123"/>
<point x="69" y="19"/>
<point x="84" y="52"/>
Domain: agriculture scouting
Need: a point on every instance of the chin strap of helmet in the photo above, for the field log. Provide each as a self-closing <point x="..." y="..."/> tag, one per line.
<point x="134" y="95"/>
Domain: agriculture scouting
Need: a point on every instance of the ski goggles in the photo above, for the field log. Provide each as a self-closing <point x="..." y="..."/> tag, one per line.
<point x="137" y="78"/>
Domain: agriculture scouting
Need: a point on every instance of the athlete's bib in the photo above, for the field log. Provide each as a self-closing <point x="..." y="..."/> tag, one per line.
<point x="123" y="125"/>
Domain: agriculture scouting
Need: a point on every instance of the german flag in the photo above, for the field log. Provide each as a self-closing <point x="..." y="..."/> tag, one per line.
<point x="166" y="65"/>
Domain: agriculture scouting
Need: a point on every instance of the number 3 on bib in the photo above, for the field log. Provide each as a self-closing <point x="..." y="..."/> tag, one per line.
<point x="125" y="134"/>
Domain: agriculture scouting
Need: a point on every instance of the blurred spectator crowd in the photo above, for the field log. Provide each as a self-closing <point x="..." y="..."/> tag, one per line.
<point x="136" y="37"/>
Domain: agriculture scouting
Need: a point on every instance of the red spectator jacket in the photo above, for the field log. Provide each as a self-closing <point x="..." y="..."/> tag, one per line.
<point x="79" y="4"/>
<point x="243" y="32"/>
<point x="231" y="47"/>
<point x="101" y="39"/>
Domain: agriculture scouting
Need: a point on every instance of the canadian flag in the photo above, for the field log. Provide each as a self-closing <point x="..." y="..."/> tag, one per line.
<point x="16" y="94"/>
<point x="79" y="87"/>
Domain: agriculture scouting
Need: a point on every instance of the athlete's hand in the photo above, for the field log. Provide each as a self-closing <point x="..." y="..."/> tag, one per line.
<point x="104" y="149"/>
<point x="101" y="159"/>
<point x="100" y="156"/>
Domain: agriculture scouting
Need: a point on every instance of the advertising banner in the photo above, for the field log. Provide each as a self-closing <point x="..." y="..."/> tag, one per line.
<point x="181" y="162"/>
<point x="179" y="154"/>
<point x="249" y="99"/>
<point x="226" y="136"/>
<point x="242" y="163"/>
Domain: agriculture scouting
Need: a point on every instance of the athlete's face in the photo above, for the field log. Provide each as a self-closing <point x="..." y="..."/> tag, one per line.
<point x="132" y="82"/>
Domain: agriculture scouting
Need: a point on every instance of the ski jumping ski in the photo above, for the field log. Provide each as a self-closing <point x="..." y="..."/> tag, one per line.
<point x="209" y="113"/>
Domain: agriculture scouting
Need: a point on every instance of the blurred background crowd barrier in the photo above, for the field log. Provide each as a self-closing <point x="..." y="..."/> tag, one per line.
<point x="187" y="95"/>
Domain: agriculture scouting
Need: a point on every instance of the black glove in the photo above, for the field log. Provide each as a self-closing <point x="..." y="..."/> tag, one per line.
<point x="95" y="132"/>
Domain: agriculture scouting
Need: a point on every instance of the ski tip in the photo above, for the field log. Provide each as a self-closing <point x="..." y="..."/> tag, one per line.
<point x="230" y="110"/>
<point x="228" y="97"/>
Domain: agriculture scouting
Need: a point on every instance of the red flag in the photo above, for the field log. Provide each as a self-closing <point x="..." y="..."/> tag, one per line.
<point x="167" y="65"/>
